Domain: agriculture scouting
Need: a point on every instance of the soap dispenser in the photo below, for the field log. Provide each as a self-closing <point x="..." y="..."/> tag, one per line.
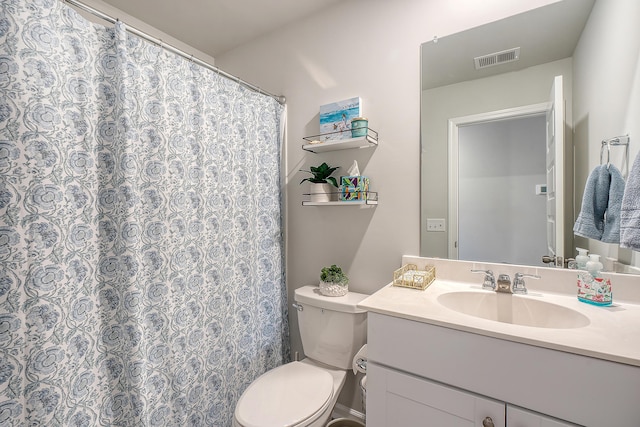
<point x="582" y="259"/>
<point x="594" y="266"/>
<point x="592" y="287"/>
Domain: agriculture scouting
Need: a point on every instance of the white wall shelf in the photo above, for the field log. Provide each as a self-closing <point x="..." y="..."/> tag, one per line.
<point x="323" y="143"/>
<point x="358" y="203"/>
<point x="368" y="141"/>
<point x="370" y="199"/>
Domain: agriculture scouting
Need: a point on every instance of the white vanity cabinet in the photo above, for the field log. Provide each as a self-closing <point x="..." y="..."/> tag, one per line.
<point x="421" y="374"/>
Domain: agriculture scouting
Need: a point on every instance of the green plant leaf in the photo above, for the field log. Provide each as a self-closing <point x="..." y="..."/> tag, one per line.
<point x="333" y="274"/>
<point x="321" y="174"/>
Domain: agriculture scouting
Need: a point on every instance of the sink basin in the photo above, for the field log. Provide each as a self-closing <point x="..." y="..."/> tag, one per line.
<point x="514" y="309"/>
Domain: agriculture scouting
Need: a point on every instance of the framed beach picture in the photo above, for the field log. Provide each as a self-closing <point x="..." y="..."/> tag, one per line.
<point x="335" y="118"/>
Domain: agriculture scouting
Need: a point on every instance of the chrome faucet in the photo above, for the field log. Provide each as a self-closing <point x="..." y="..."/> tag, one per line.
<point x="519" y="286"/>
<point x="489" y="281"/>
<point x="504" y="284"/>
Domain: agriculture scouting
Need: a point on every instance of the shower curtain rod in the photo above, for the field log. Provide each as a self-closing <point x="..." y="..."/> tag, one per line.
<point x="159" y="42"/>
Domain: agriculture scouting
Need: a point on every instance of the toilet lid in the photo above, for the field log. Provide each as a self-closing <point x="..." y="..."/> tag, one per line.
<point x="285" y="396"/>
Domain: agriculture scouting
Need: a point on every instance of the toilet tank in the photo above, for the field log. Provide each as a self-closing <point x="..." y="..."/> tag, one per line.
<point x="332" y="329"/>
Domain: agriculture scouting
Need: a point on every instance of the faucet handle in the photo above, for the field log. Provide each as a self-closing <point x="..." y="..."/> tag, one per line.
<point x="519" y="286"/>
<point x="489" y="280"/>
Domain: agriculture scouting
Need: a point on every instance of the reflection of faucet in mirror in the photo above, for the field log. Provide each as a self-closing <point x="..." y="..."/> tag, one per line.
<point x="449" y="92"/>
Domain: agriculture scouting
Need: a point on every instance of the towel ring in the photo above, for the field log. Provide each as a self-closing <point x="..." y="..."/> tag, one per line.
<point x="622" y="140"/>
<point x="606" y="143"/>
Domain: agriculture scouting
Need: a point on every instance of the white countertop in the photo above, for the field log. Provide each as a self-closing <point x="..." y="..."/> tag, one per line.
<point x="613" y="332"/>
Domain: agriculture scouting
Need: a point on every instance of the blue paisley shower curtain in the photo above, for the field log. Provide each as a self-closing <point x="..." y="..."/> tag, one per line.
<point x="141" y="277"/>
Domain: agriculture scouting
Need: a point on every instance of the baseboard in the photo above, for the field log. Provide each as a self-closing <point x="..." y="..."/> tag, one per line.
<point x="342" y="411"/>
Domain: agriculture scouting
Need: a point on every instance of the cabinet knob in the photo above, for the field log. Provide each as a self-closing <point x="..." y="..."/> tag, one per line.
<point x="487" y="422"/>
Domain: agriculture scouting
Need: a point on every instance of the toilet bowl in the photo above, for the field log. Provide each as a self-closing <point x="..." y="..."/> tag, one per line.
<point x="303" y="393"/>
<point x="295" y="394"/>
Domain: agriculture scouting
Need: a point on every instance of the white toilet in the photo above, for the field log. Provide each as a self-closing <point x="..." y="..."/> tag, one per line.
<point x="302" y="394"/>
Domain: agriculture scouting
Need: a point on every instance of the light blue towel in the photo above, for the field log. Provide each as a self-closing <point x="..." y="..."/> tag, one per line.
<point x="611" y="232"/>
<point x="590" y="222"/>
<point x="630" y="210"/>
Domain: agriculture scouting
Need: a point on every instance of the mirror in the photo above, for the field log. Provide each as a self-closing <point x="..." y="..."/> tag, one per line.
<point x="454" y="90"/>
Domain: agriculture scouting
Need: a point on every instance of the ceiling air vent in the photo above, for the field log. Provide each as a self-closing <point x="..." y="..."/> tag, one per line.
<point x="497" y="58"/>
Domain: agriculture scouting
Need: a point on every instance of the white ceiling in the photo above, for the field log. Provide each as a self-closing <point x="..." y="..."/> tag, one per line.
<point x="216" y="26"/>
<point x="545" y="34"/>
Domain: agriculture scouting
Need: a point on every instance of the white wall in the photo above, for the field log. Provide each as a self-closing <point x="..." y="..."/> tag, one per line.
<point x="371" y="49"/>
<point x="607" y="97"/>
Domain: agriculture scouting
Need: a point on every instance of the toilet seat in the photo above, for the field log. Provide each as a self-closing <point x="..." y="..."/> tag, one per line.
<point x="290" y="395"/>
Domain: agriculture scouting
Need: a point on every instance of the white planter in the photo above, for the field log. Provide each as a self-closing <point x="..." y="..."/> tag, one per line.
<point x="322" y="192"/>
<point x="334" y="289"/>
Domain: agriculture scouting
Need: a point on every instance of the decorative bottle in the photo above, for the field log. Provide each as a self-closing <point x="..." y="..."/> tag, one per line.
<point x="592" y="287"/>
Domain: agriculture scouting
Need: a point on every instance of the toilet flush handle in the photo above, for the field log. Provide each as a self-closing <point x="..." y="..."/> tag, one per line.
<point x="297" y="306"/>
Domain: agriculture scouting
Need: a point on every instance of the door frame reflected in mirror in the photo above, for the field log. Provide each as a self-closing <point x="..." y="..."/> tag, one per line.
<point x="454" y="154"/>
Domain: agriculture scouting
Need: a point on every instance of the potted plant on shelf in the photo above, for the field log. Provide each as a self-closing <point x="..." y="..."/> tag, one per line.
<point x="333" y="282"/>
<point x="321" y="184"/>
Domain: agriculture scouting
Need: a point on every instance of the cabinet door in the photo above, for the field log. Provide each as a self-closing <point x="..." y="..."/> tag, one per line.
<point x="397" y="399"/>
<point x="518" y="417"/>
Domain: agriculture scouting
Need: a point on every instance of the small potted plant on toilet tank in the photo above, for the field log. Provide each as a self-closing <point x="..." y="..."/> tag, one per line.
<point x="322" y="185"/>
<point x="333" y="282"/>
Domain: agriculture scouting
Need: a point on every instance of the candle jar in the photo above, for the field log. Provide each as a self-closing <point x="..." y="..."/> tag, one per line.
<point x="359" y="127"/>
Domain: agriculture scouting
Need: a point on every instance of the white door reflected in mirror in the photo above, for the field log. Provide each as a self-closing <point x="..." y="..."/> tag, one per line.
<point x="497" y="160"/>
